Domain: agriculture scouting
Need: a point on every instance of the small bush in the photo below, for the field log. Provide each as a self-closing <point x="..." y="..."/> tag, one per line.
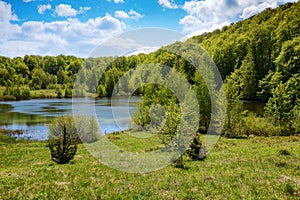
<point x="59" y="94"/>
<point x="88" y="128"/>
<point x="9" y="98"/>
<point x="68" y="131"/>
<point x="63" y="138"/>
<point x="296" y="119"/>
<point x="68" y="93"/>
<point x="250" y="124"/>
<point x="7" y="139"/>
<point x="197" y="150"/>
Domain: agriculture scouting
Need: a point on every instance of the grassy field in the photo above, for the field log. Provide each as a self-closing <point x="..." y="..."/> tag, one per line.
<point x="254" y="168"/>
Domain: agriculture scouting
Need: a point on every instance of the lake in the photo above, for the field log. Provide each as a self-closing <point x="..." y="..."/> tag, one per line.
<point x="32" y="116"/>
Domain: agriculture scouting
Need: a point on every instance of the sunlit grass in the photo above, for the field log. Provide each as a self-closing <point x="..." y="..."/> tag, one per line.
<point x="255" y="168"/>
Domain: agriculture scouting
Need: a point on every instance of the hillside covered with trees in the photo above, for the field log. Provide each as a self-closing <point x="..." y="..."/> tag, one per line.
<point x="258" y="58"/>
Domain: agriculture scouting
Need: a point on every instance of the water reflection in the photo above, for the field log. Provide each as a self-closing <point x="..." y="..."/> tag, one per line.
<point x="32" y="116"/>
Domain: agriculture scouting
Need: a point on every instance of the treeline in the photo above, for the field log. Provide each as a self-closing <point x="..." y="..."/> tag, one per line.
<point x="258" y="58"/>
<point x="19" y="76"/>
<point x="254" y="52"/>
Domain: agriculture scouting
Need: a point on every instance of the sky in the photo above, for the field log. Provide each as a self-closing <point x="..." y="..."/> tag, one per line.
<point x="76" y="27"/>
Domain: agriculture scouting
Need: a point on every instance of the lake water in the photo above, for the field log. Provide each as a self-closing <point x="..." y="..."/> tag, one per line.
<point x="32" y="116"/>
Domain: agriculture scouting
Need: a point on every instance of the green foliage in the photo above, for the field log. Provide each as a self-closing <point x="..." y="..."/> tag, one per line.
<point x="68" y="93"/>
<point x="66" y="132"/>
<point x="16" y="93"/>
<point x="258" y="59"/>
<point x="280" y="106"/>
<point x="204" y="101"/>
<point x="234" y="106"/>
<point x="268" y="84"/>
<point x="59" y="94"/>
<point x="250" y="124"/>
<point x="288" y="61"/>
<point x="63" y="138"/>
<point x="88" y="128"/>
<point x="296" y="119"/>
<point x="197" y="150"/>
<point x="5" y="138"/>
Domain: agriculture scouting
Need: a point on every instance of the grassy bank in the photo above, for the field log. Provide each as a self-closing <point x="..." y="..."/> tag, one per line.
<point x="33" y="94"/>
<point x="254" y="168"/>
<point x="40" y="94"/>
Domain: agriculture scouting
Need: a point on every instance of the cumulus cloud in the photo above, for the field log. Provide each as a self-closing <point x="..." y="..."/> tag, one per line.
<point x="69" y="36"/>
<point x="135" y="15"/>
<point x="168" y="4"/>
<point x="64" y="10"/>
<point x="6" y="13"/>
<point x="130" y="15"/>
<point x="7" y="29"/>
<point x="43" y="8"/>
<point x="117" y="1"/>
<point x="121" y="14"/>
<point x="254" y="9"/>
<point x="207" y="15"/>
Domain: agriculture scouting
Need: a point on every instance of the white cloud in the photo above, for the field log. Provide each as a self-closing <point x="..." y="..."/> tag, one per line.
<point x="6" y="13"/>
<point x="83" y="10"/>
<point x="117" y="1"/>
<point x="254" y="9"/>
<point x="64" y="10"/>
<point x="207" y="15"/>
<point x="7" y="29"/>
<point x="27" y="1"/>
<point x="135" y="15"/>
<point x="121" y="14"/>
<point x="130" y="15"/>
<point x="168" y="4"/>
<point x="69" y="36"/>
<point x="43" y="8"/>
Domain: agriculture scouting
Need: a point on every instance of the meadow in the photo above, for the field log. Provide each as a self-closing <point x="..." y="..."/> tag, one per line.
<point x="249" y="168"/>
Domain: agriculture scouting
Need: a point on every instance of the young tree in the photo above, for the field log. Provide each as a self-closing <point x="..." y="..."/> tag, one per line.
<point x="204" y="100"/>
<point x="279" y="107"/>
<point x="63" y="139"/>
<point x="296" y="118"/>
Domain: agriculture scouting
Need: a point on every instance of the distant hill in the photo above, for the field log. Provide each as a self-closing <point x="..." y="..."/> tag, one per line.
<point x="261" y="49"/>
<point x="255" y="55"/>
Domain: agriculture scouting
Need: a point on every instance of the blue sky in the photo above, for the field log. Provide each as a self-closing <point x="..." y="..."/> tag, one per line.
<point x="52" y="27"/>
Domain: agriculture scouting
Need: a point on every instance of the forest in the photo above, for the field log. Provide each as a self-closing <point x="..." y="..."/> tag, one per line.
<point x="258" y="59"/>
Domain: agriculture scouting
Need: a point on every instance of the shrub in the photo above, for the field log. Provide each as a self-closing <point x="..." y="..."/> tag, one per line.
<point x="197" y="150"/>
<point x="296" y="119"/>
<point x="250" y="124"/>
<point x="6" y="139"/>
<point x="88" y="128"/>
<point x="66" y="132"/>
<point x="63" y="139"/>
<point x="59" y="94"/>
<point x="68" y="93"/>
<point x="9" y="98"/>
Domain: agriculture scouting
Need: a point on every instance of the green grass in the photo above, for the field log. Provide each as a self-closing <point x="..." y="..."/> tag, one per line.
<point x="254" y="168"/>
<point x="45" y="93"/>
